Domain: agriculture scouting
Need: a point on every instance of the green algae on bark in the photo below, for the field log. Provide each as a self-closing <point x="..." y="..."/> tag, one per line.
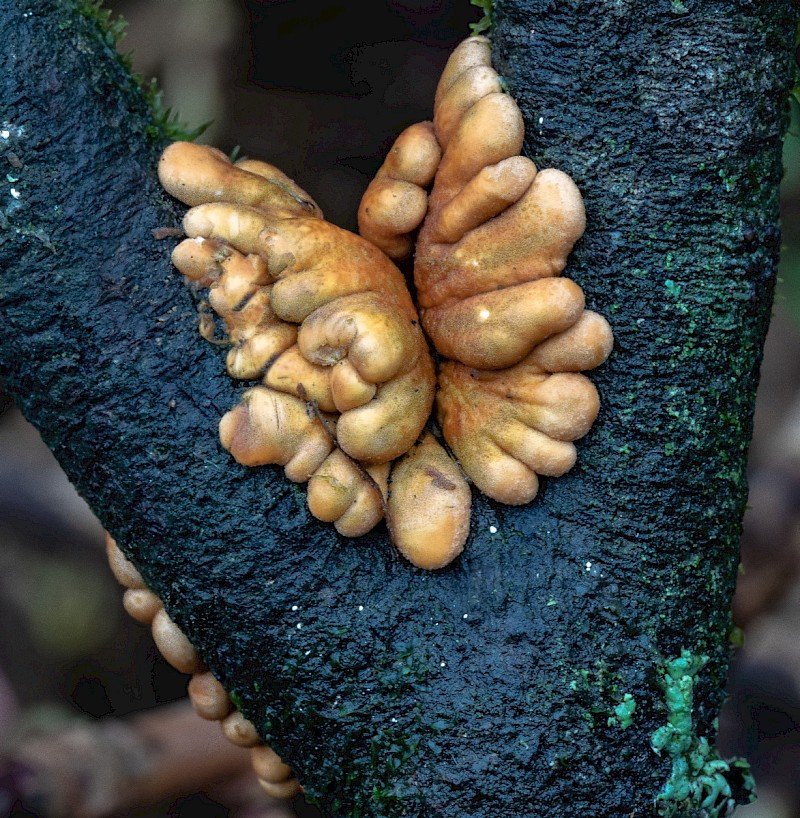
<point x="391" y="691"/>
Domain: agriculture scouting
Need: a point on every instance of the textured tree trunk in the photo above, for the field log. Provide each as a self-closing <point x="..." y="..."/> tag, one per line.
<point x="505" y="684"/>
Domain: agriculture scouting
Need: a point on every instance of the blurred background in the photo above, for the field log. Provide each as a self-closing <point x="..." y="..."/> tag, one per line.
<point x="320" y="89"/>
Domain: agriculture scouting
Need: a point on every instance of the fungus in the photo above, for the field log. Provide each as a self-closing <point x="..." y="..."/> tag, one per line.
<point x="196" y="174"/>
<point x="312" y="261"/>
<point x="429" y="506"/>
<point x="239" y="730"/>
<point x="124" y="571"/>
<point x="268" y="765"/>
<point x="347" y="494"/>
<point x="380" y="360"/>
<point x="208" y="697"/>
<point x="486" y="287"/>
<point x="273" y="273"/>
<point x="174" y="645"/>
<point x="497" y="329"/>
<point x="326" y="319"/>
<point x="141" y="604"/>
<point x="323" y="316"/>
<point x="290" y="372"/>
<point x="282" y="790"/>
<point x="508" y="426"/>
<point x="206" y="694"/>
<point x="495" y="226"/>
<point x="239" y="293"/>
<point x="512" y="335"/>
<point x="395" y="202"/>
<point x="269" y="427"/>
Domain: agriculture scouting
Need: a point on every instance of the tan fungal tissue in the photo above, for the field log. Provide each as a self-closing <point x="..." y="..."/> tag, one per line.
<point x="512" y="334"/>
<point x="324" y="320"/>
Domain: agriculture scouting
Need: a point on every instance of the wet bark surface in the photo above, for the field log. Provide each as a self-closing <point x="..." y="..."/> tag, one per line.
<point x="493" y="687"/>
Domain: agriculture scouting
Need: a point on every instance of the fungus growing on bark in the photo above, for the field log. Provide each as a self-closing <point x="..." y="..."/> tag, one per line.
<point x="196" y="174"/>
<point x="239" y="730"/>
<point x="496" y="230"/>
<point x="507" y="426"/>
<point x="487" y="263"/>
<point x="347" y="494"/>
<point x="395" y="202"/>
<point x="324" y="318"/>
<point x="429" y="506"/>
<point x="141" y="604"/>
<point x="273" y="775"/>
<point x="124" y="571"/>
<point x="174" y="645"/>
<point x="239" y="292"/>
<point x="277" y="273"/>
<point x="208" y="697"/>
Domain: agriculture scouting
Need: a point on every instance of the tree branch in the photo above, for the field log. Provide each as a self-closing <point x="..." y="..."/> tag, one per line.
<point x="503" y="684"/>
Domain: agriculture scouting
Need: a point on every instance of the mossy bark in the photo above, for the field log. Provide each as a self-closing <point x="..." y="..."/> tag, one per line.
<point x="501" y="685"/>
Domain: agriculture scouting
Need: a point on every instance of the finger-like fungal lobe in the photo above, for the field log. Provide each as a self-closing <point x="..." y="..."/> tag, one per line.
<point x="278" y="275"/>
<point x="197" y="174"/>
<point x="497" y="230"/>
<point x="268" y="427"/>
<point x="273" y="775"/>
<point x="429" y="505"/>
<point x="349" y="495"/>
<point x="508" y="426"/>
<point x="512" y="333"/>
<point x="208" y="697"/>
<point x="395" y="203"/>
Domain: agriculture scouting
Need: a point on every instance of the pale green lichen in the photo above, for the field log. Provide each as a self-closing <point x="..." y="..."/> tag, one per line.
<point x="623" y="712"/>
<point x="698" y="777"/>
<point x="599" y="695"/>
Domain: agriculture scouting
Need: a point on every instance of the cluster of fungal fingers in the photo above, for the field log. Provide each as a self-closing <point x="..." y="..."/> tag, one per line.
<point x="323" y="318"/>
<point x="511" y="333"/>
<point x="207" y="695"/>
<point x="325" y="321"/>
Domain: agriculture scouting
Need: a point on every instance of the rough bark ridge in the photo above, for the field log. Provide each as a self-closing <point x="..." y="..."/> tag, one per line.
<point x="502" y="685"/>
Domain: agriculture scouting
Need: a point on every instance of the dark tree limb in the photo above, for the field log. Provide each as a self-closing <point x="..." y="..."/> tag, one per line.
<point x="502" y="685"/>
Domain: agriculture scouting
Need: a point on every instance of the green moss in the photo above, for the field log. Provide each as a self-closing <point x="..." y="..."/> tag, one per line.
<point x="166" y="123"/>
<point x="485" y="23"/>
<point x="796" y="89"/>
<point x="736" y="637"/>
<point x="236" y="699"/>
<point x="112" y="28"/>
<point x="699" y="778"/>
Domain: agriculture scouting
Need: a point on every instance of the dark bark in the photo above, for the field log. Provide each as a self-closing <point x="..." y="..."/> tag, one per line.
<point x="492" y="687"/>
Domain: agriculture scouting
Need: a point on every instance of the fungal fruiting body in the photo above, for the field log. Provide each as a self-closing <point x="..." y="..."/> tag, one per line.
<point x="325" y="320"/>
<point x="511" y="333"/>
<point x="395" y="203"/>
<point x="206" y="694"/>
